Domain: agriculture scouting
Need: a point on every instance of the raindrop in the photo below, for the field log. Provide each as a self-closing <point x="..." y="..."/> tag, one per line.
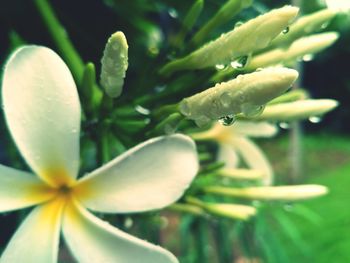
<point x="128" y="223"/>
<point x="227" y="120"/>
<point x="173" y="13"/>
<point x="284" y="125"/>
<point x="315" y="119"/>
<point x="324" y="25"/>
<point x="308" y="57"/>
<point x="286" y="30"/>
<point x="250" y="110"/>
<point x="240" y="62"/>
<point x="160" y="88"/>
<point x="220" y="66"/>
<point x="142" y="110"/>
<point x="238" y="24"/>
<point x="225" y="99"/>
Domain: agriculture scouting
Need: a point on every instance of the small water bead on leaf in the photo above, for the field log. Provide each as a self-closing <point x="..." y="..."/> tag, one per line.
<point x="308" y="57"/>
<point x="240" y="62"/>
<point x="227" y="120"/>
<point x="160" y="88"/>
<point x="250" y="110"/>
<point x="220" y="66"/>
<point x="128" y="222"/>
<point x="238" y="24"/>
<point x="142" y="110"/>
<point x="324" y="25"/>
<point x="286" y="30"/>
<point x="284" y="125"/>
<point x="173" y="13"/>
<point x="315" y="119"/>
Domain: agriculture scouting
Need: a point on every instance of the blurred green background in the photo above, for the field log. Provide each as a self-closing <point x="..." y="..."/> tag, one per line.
<point x="311" y="231"/>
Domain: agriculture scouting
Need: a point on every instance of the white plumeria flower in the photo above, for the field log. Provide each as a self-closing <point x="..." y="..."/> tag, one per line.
<point x="234" y="142"/>
<point x="42" y="111"/>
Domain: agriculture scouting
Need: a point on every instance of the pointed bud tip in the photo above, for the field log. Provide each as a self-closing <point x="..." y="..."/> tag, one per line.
<point x="286" y="76"/>
<point x="288" y="11"/>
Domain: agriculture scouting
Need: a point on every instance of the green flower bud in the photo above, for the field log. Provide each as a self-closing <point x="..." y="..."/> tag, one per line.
<point x="189" y="21"/>
<point x="282" y="193"/>
<point x="247" y="93"/>
<point x="301" y="47"/>
<point x="224" y="15"/>
<point x="114" y="64"/>
<point x="297" y="110"/>
<point x="253" y="35"/>
<point x="304" y="26"/>
<point x="233" y="211"/>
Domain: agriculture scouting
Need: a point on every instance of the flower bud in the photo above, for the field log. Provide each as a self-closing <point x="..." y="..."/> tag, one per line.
<point x="114" y="64"/>
<point x="301" y="47"/>
<point x="224" y="15"/>
<point x="282" y="193"/>
<point x="304" y="26"/>
<point x="297" y="110"/>
<point x="242" y="212"/>
<point x="247" y="93"/>
<point x="253" y="35"/>
<point x="233" y="211"/>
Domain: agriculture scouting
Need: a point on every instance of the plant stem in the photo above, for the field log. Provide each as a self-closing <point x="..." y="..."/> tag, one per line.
<point x="61" y="39"/>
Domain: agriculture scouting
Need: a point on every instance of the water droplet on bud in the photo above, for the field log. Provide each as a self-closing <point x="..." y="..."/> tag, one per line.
<point x="220" y="66"/>
<point x="284" y="125"/>
<point x="238" y="24"/>
<point x="308" y="57"/>
<point x="315" y="119"/>
<point x="240" y="62"/>
<point x="286" y="30"/>
<point x="227" y="120"/>
<point x="128" y="223"/>
<point x="225" y="99"/>
<point x="250" y="110"/>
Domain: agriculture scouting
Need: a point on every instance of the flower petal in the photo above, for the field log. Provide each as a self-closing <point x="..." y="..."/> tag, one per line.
<point x="42" y="111"/>
<point x="93" y="240"/>
<point x="20" y="189"/>
<point x="149" y="176"/>
<point x="253" y="157"/>
<point x="254" y="129"/>
<point x="36" y="240"/>
<point x="228" y="155"/>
